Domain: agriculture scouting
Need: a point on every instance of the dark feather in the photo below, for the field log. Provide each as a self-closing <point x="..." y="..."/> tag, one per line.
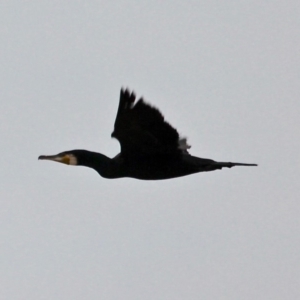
<point x="142" y="130"/>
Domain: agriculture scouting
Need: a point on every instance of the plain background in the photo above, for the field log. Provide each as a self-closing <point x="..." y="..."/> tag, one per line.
<point x="225" y="74"/>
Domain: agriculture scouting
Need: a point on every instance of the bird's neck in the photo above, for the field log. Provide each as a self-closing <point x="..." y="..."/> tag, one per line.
<point x="99" y="162"/>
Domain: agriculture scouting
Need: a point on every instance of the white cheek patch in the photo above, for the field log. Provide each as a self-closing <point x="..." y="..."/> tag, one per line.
<point x="72" y="160"/>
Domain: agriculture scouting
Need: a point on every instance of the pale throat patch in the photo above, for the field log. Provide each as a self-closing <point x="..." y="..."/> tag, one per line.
<point x="72" y="160"/>
<point x="68" y="159"/>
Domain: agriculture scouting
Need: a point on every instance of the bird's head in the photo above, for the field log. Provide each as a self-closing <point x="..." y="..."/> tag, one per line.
<point x="77" y="158"/>
<point x="67" y="157"/>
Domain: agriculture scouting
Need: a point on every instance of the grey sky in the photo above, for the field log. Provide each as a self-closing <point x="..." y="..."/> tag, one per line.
<point x="226" y="75"/>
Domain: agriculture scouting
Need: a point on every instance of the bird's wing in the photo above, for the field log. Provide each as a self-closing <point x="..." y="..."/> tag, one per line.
<point x="142" y="130"/>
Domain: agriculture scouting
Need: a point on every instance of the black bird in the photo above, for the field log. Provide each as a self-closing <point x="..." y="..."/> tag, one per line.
<point x="151" y="148"/>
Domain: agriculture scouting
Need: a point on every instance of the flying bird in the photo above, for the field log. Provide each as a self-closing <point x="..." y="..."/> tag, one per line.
<point x="151" y="149"/>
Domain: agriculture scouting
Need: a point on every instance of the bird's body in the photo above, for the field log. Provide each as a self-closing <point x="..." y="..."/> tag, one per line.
<point x="151" y="148"/>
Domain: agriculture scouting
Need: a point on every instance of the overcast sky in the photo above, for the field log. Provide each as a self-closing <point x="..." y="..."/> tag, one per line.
<point x="226" y="75"/>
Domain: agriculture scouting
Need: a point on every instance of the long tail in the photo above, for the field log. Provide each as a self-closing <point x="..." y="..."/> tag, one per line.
<point x="230" y="165"/>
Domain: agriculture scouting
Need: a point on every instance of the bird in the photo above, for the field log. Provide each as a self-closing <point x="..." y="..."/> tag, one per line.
<point x="151" y="149"/>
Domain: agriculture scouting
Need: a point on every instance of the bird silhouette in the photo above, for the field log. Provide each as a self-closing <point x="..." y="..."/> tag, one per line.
<point x="151" y="149"/>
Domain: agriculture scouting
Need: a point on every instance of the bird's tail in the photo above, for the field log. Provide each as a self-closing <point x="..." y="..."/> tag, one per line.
<point x="221" y="165"/>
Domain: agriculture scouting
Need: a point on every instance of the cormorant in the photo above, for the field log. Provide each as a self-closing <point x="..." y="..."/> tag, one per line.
<point x="151" y="148"/>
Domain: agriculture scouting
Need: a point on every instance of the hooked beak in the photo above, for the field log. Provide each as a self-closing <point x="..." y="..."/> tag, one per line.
<point x="65" y="159"/>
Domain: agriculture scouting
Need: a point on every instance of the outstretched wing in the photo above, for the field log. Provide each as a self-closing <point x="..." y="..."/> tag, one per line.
<point x="142" y="130"/>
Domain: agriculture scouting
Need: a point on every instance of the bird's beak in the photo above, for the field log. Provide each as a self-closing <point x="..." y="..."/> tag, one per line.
<point x="65" y="159"/>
